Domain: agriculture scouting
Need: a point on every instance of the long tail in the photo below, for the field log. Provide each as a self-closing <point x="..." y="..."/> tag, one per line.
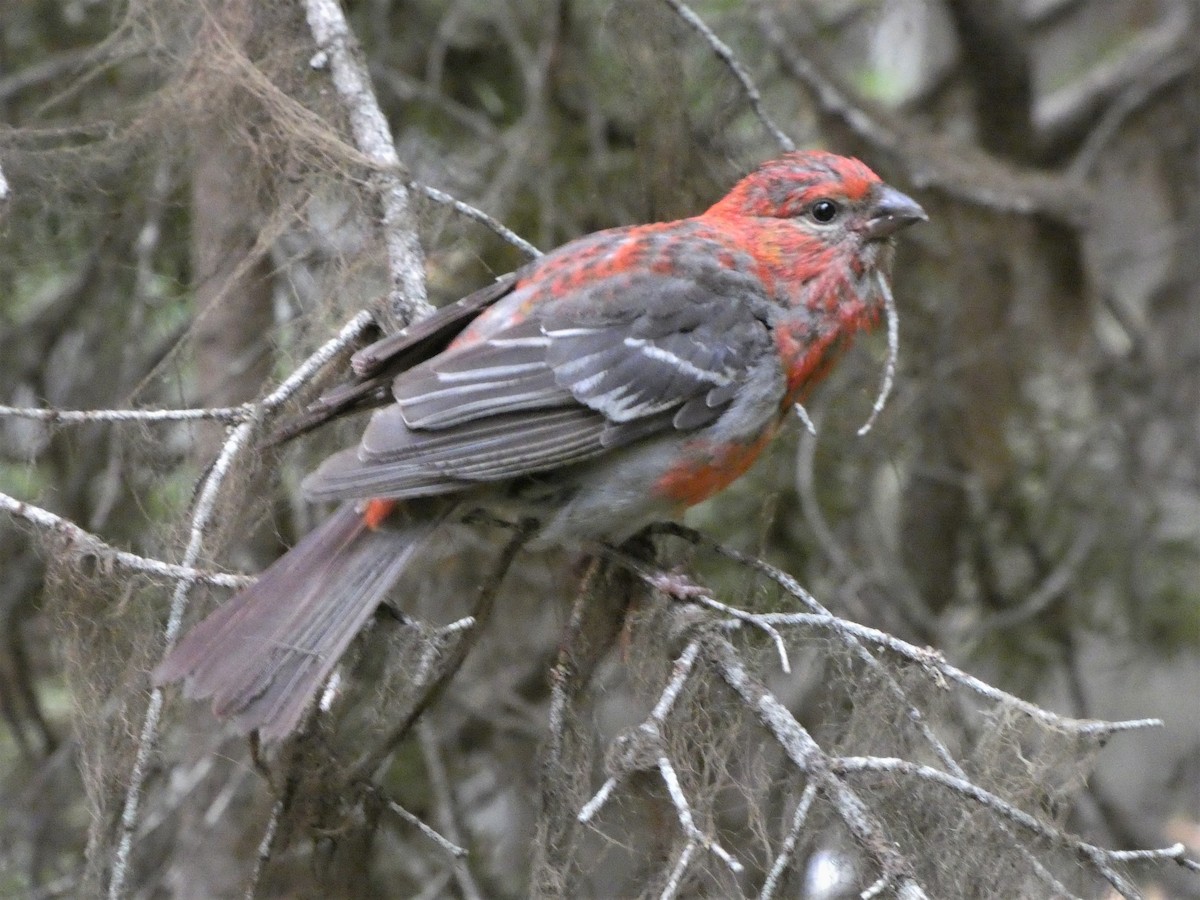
<point x="264" y="653"/>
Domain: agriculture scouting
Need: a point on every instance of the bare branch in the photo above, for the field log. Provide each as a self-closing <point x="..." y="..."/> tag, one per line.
<point x="726" y="55"/>
<point x="448" y="845"/>
<point x="651" y="729"/>
<point x="687" y="823"/>
<point x="1099" y="857"/>
<point x="439" y="785"/>
<point x="265" y="846"/>
<point x="479" y="216"/>
<point x="84" y="543"/>
<point x="810" y="759"/>
<point x="406" y="260"/>
<point x="852" y="633"/>
<point x="232" y="414"/>
<point x="799" y="817"/>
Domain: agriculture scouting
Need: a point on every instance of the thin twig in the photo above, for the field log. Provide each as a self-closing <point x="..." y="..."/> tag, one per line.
<point x="83" y="543"/>
<point x="479" y="216"/>
<point x="230" y="414"/>
<point x="372" y="136"/>
<point x="726" y="55"/>
<point x="852" y="633"/>
<point x="683" y="811"/>
<point x="433" y="834"/>
<point x="1099" y="857"/>
<point x="438" y="672"/>
<point x="811" y="760"/>
<point x="799" y="817"/>
<point x="439" y="786"/>
<point x="670" y="584"/>
<point x="265" y="846"/>
<point x="651" y="728"/>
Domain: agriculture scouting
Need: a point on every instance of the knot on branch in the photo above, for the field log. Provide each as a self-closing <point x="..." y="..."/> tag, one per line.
<point x="637" y="749"/>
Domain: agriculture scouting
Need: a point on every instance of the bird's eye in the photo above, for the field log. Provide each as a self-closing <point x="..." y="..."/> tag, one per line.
<point x="824" y="211"/>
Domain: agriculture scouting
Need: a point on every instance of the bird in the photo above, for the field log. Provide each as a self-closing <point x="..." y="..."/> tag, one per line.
<point x="611" y="383"/>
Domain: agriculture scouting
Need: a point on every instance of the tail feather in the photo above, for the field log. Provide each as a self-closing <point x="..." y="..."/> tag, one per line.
<point x="264" y="653"/>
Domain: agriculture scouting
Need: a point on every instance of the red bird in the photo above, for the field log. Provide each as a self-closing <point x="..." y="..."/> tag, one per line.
<point x="613" y="382"/>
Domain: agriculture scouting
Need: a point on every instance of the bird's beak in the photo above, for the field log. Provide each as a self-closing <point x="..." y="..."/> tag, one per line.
<point x="893" y="211"/>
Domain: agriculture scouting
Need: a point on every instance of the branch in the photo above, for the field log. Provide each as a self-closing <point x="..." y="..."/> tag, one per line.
<point x="84" y="543"/>
<point x="439" y="784"/>
<point x="1102" y="859"/>
<point x="230" y="414"/>
<point x="810" y="759"/>
<point x="406" y="260"/>
<point x="479" y="216"/>
<point x="643" y="747"/>
<point x="725" y="54"/>
<point x="265" y="846"/>
<point x="445" y="843"/>
<point x="766" y="623"/>
<point x="852" y="634"/>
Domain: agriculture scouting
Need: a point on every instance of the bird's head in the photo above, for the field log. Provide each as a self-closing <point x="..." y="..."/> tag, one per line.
<point x="835" y="199"/>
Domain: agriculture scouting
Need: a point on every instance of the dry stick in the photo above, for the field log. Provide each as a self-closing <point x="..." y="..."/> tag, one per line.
<point x="915" y="716"/>
<point x="852" y="634"/>
<point x="439" y="784"/>
<point x="563" y="670"/>
<point x="264" y="849"/>
<point x="726" y="55"/>
<point x="806" y="754"/>
<point x="893" y="339"/>
<point x="3" y="187"/>
<point x="799" y="817"/>
<point x="406" y="260"/>
<point x="1097" y="856"/>
<point x="844" y="628"/>
<point x="83" y="543"/>
<point x="850" y="631"/>
<point x="651" y="728"/>
<point x="650" y="731"/>
<point x="479" y="216"/>
<point x="202" y="515"/>
<point x="230" y="414"/>
<point x="436" y="836"/>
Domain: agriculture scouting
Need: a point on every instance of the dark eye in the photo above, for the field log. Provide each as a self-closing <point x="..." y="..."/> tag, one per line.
<point x="824" y="211"/>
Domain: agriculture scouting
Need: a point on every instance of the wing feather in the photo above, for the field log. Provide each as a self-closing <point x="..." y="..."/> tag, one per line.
<point x="626" y="358"/>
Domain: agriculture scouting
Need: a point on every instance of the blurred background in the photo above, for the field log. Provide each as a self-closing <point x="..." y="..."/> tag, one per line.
<point x="184" y="217"/>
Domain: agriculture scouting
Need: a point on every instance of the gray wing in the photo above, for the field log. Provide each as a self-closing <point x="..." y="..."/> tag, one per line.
<point x="597" y="370"/>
